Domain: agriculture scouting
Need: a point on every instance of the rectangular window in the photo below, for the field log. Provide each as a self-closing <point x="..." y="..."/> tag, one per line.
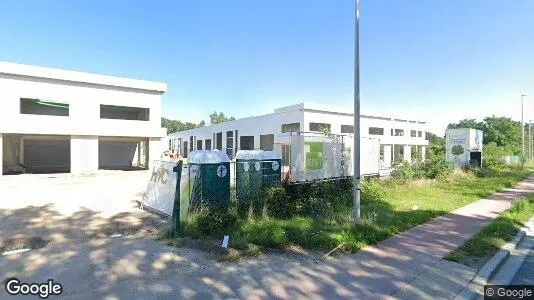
<point x="381" y="152"/>
<point x="199" y="144"/>
<point x="208" y="144"/>
<point x="230" y="144"/>
<point x="376" y="131"/>
<point x="398" y="132"/>
<point x="267" y="142"/>
<point x="319" y="127"/>
<point x="246" y="142"/>
<point x="46" y="108"/>
<point x="347" y="128"/>
<point x="218" y="141"/>
<point x="185" y="149"/>
<point x="419" y="133"/>
<point x="124" y="113"/>
<point x="413" y="133"/>
<point x="293" y="127"/>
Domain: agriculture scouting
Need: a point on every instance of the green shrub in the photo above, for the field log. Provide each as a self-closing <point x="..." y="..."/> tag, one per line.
<point x="436" y="167"/>
<point x="493" y="157"/>
<point x="406" y="171"/>
<point x="277" y="203"/>
<point x="214" y="219"/>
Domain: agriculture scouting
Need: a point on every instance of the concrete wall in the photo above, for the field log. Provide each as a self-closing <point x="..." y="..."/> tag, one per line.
<point x="84" y="109"/>
<point x="84" y="153"/>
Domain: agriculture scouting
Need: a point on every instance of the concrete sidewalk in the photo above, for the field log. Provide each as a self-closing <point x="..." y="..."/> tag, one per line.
<point x="392" y="267"/>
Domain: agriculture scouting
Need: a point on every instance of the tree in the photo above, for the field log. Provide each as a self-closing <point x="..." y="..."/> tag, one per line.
<point x="467" y="123"/>
<point x="502" y="131"/>
<point x="175" y="125"/>
<point x="436" y="144"/>
<point x="216" y="118"/>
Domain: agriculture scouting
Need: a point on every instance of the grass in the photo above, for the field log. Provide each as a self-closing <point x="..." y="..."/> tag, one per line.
<point x="480" y="248"/>
<point x="402" y="206"/>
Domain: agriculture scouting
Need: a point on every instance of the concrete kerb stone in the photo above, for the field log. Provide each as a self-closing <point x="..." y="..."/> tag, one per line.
<point x="474" y="289"/>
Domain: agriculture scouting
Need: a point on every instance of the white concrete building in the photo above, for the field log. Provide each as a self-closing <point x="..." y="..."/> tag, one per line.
<point x="64" y="121"/>
<point x="263" y="132"/>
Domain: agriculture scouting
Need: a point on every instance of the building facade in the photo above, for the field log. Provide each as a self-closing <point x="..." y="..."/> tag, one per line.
<point x="64" y="121"/>
<point x="399" y="138"/>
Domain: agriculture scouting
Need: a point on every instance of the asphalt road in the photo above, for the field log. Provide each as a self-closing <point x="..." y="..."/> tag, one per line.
<point x="525" y="275"/>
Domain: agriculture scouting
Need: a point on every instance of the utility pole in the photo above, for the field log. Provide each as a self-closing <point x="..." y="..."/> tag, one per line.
<point x="522" y="134"/>
<point x="356" y="175"/>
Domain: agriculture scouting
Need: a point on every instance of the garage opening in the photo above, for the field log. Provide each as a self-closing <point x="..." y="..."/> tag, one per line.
<point x="38" y="154"/>
<point x="115" y="153"/>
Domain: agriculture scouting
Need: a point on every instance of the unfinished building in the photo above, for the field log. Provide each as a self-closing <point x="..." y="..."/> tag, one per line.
<point x="64" y="121"/>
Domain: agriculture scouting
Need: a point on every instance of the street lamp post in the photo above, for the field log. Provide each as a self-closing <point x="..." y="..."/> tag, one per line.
<point x="522" y="133"/>
<point x="356" y="175"/>
<point x="529" y="139"/>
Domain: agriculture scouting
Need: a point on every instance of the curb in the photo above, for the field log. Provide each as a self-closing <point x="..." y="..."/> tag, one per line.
<point x="475" y="288"/>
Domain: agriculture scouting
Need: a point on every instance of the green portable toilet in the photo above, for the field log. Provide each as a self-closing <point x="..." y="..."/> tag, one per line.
<point x="271" y="168"/>
<point x="209" y="173"/>
<point x="248" y="174"/>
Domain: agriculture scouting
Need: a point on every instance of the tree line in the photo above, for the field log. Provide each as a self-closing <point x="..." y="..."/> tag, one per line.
<point x="173" y="126"/>
<point x="501" y="132"/>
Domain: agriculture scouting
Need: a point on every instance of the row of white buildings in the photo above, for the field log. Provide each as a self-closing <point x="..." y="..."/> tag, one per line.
<point x="398" y="138"/>
<point x="64" y="121"/>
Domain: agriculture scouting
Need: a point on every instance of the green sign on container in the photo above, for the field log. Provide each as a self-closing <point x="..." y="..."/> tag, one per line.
<point x="314" y="155"/>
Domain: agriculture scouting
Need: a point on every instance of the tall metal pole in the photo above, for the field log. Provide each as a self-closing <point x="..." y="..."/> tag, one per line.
<point x="356" y="175"/>
<point x="522" y="134"/>
<point x="529" y="139"/>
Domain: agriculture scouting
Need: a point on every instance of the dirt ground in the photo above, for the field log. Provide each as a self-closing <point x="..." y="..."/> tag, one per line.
<point x="87" y="233"/>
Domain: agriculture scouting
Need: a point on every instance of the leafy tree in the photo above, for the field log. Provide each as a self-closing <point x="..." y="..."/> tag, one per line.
<point x="216" y="118"/>
<point x="467" y="123"/>
<point x="502" y="131"/>
<point x="436" y="144"/>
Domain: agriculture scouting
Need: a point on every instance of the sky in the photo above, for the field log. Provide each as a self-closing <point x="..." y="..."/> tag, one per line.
<point x="437" y="61"/>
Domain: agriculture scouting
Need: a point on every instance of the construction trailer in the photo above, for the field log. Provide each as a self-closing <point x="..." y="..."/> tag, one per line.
<point x="463" y="147"/>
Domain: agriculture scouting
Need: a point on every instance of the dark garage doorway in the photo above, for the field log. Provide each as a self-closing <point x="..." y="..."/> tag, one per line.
<point x="46" y="154"/>
<point x="115" y="153"/>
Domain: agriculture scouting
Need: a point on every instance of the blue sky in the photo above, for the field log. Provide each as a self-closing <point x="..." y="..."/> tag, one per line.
<point x="435" y="60"/>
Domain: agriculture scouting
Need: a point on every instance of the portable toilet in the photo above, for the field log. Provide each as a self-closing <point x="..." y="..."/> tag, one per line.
<point x="248" y="174"/>
<point x="209" y="173"/>
<point x="271" y="168"/>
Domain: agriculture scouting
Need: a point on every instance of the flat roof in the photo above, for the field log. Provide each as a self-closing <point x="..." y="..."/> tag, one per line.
<point x="81" y="77"/>
<point x="316" y="107"/>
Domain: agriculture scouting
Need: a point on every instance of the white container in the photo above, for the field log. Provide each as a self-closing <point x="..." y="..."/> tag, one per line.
<point x="463" y="145"/>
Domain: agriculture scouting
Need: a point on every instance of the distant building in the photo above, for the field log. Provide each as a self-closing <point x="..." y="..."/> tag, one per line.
<point x="399" y="138"/>
<point x="63" y="121"/>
